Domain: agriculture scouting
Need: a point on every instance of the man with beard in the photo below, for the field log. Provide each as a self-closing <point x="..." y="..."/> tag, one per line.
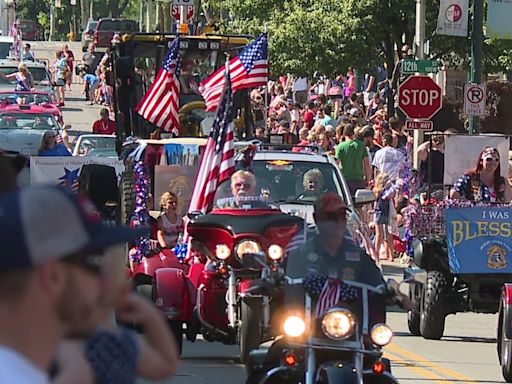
<point x="52" y="245"/>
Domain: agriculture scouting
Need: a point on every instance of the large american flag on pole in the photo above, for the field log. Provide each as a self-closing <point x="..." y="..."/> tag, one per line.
<point x="218" y="162"/>
<point x="160" y="104"/>
<point x="248" y="70"/>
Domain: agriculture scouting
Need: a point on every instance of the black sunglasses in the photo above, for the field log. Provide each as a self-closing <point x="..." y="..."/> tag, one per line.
<point x="88" y="260"/>
<point x="332" y="216"/>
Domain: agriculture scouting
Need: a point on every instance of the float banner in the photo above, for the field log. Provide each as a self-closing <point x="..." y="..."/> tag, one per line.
<point x="498" y="19"/>
<point x="452" y="19"/>
<point x="61" y="170"/>
<point x="479" y="239"/>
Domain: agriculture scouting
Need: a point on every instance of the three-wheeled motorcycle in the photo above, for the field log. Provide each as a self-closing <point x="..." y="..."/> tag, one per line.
<point x="212" y="297"/>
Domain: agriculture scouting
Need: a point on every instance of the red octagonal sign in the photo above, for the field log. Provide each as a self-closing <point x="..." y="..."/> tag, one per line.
<point x="419" y="97"/>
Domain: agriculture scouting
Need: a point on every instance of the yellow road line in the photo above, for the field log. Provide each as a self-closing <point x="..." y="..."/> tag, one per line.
<point x="425" y="373"/>
<point x="404" y="353"/>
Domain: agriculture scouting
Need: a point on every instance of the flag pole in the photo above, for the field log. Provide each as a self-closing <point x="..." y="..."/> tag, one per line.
<point x="265" y="115"/>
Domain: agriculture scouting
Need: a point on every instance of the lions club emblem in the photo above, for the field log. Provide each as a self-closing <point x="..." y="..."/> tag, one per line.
<point x="496" y="257"/>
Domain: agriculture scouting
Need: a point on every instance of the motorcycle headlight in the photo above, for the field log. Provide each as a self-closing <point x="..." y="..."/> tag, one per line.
<point x="247" y="246"/>
<point x="381" y="334"/>
<point x="275" y="252"/>
<point x="222" y="251"/>
<point x="294" y="326"/>
<point x="338" y="324"/>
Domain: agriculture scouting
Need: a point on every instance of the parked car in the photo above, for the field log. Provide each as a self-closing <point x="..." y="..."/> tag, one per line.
<point x="39" y="71"/>
<point x="87" y="34"/>
<point x="31" y="30"/>
<point x="107" y="27"/>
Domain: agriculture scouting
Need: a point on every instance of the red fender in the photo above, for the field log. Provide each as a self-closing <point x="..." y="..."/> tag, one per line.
<point x="149" y="265"/>
<point x="507" y="293"/>
<point x="172" y="294"/>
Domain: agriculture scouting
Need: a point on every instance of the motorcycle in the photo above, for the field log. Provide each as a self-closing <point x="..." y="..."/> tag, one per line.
<point x="341" y="346"/>
<point x="213" y="297"/>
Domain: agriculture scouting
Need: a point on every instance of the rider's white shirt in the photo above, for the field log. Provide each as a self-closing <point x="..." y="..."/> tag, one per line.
<point x="16" y="369"/>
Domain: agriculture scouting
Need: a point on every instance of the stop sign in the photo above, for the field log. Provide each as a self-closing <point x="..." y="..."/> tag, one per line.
<point x="419" y="97"/>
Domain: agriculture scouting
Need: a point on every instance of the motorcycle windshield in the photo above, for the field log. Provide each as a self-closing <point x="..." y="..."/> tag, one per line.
<point x="245" y="202"/>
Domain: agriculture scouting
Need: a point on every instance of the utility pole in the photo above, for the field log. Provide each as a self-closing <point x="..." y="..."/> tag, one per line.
<point x="419" y="42"/>
<point x="477" y="37"/>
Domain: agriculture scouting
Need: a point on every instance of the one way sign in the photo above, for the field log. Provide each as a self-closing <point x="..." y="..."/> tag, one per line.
<point x="474" y="100"/>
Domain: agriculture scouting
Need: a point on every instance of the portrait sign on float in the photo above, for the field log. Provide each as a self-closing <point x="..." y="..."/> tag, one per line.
<point x="479" y="239"/>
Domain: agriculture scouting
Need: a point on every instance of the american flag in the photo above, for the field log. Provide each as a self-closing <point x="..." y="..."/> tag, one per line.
<point x="160" y="104"/>
<point x="218" y="162"/>
<point x="329" y="291"/>
<point x="297" y="240"/>
<point x="248" y="70"/>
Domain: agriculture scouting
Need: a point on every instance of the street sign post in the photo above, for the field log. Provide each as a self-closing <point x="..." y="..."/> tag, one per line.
<point x="419" y="97"/>
<point x="182" y="2"/>
<point x="410" y="66"/>
<point x="474" y="100"/>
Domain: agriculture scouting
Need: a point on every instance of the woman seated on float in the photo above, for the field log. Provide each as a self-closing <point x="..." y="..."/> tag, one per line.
<point x="484" y="183"/>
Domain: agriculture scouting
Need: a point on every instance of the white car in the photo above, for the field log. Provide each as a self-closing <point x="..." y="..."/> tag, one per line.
<point x="280" y="174"/>
<point x="39" y="71"/>
<point x="95" y="145"/>
<point x="22" y="133"/>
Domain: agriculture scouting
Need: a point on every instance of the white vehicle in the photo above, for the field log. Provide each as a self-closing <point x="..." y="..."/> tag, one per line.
<point x="39" y="71"/>
<point x="95" y="145"/>
<point x="280" y="174"/>
<point x="22" y="133"/>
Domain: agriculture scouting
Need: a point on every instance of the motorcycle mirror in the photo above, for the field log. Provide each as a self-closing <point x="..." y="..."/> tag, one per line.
<point x="194" y="215"/>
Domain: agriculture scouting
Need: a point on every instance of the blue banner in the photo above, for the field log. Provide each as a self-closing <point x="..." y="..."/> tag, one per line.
<point x="479" y="239"/>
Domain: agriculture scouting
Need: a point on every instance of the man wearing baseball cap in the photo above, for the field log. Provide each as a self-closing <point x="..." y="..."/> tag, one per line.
<point x="52" y="244"/>
<point x="331" y="251"/>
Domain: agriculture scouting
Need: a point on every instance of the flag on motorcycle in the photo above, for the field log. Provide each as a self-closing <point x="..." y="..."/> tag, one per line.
<point x="218" y="162"/>
<point x="160" y="104"/>
<point x="248" y="70"/>
<point x="329" y="291"/>
<point x="297" y="240"/>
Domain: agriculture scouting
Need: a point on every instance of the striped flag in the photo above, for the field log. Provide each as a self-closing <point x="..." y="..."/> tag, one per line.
<point x="248" y="70"/>
<point x="160" y="104"/>
<point x="218" y="162"/>
<point x="329" y="296"/>
<point x="297" y="240"/>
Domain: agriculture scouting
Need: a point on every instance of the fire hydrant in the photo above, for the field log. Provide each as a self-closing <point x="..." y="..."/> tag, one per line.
<point x="71" y="36"/>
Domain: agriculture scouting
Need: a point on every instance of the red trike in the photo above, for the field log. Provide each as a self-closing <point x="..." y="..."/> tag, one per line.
<point x="212" y="296"/>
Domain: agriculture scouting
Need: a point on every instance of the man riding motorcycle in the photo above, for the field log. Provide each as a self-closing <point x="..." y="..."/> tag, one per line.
<point x="329" y="254"/>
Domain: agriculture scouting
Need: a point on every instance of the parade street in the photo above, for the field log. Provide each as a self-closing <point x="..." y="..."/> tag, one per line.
<point x="466" y="354"/>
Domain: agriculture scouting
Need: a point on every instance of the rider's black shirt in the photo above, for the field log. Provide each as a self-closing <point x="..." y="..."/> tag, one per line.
<point x="351" y="263"/>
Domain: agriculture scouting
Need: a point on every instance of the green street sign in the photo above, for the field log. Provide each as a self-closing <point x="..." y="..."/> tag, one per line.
<point x="410" y="66"/>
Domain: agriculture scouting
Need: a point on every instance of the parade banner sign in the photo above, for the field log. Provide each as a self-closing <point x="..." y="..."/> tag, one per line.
<point x="479" y="239"/>
<point x="461" y="153"/>
<point x="65" y="170"/>
<point x="452" y="19"/>
<point x="498" y="19"/>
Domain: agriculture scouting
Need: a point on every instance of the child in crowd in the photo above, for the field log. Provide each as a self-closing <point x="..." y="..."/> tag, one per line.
<point x="93" y="82"/>
<point x="384" y="198"/>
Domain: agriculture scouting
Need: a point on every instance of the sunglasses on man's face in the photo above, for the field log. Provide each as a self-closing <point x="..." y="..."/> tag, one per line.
<point x="92" y="262"/>
<point x="245" y="185"/>
<point x="331" y="216"/>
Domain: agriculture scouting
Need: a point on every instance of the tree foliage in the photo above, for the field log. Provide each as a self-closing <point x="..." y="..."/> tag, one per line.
<point x="328" y="36"/>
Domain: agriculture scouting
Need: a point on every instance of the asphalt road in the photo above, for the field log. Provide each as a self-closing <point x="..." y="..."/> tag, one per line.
<point x="466" y="354"/>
